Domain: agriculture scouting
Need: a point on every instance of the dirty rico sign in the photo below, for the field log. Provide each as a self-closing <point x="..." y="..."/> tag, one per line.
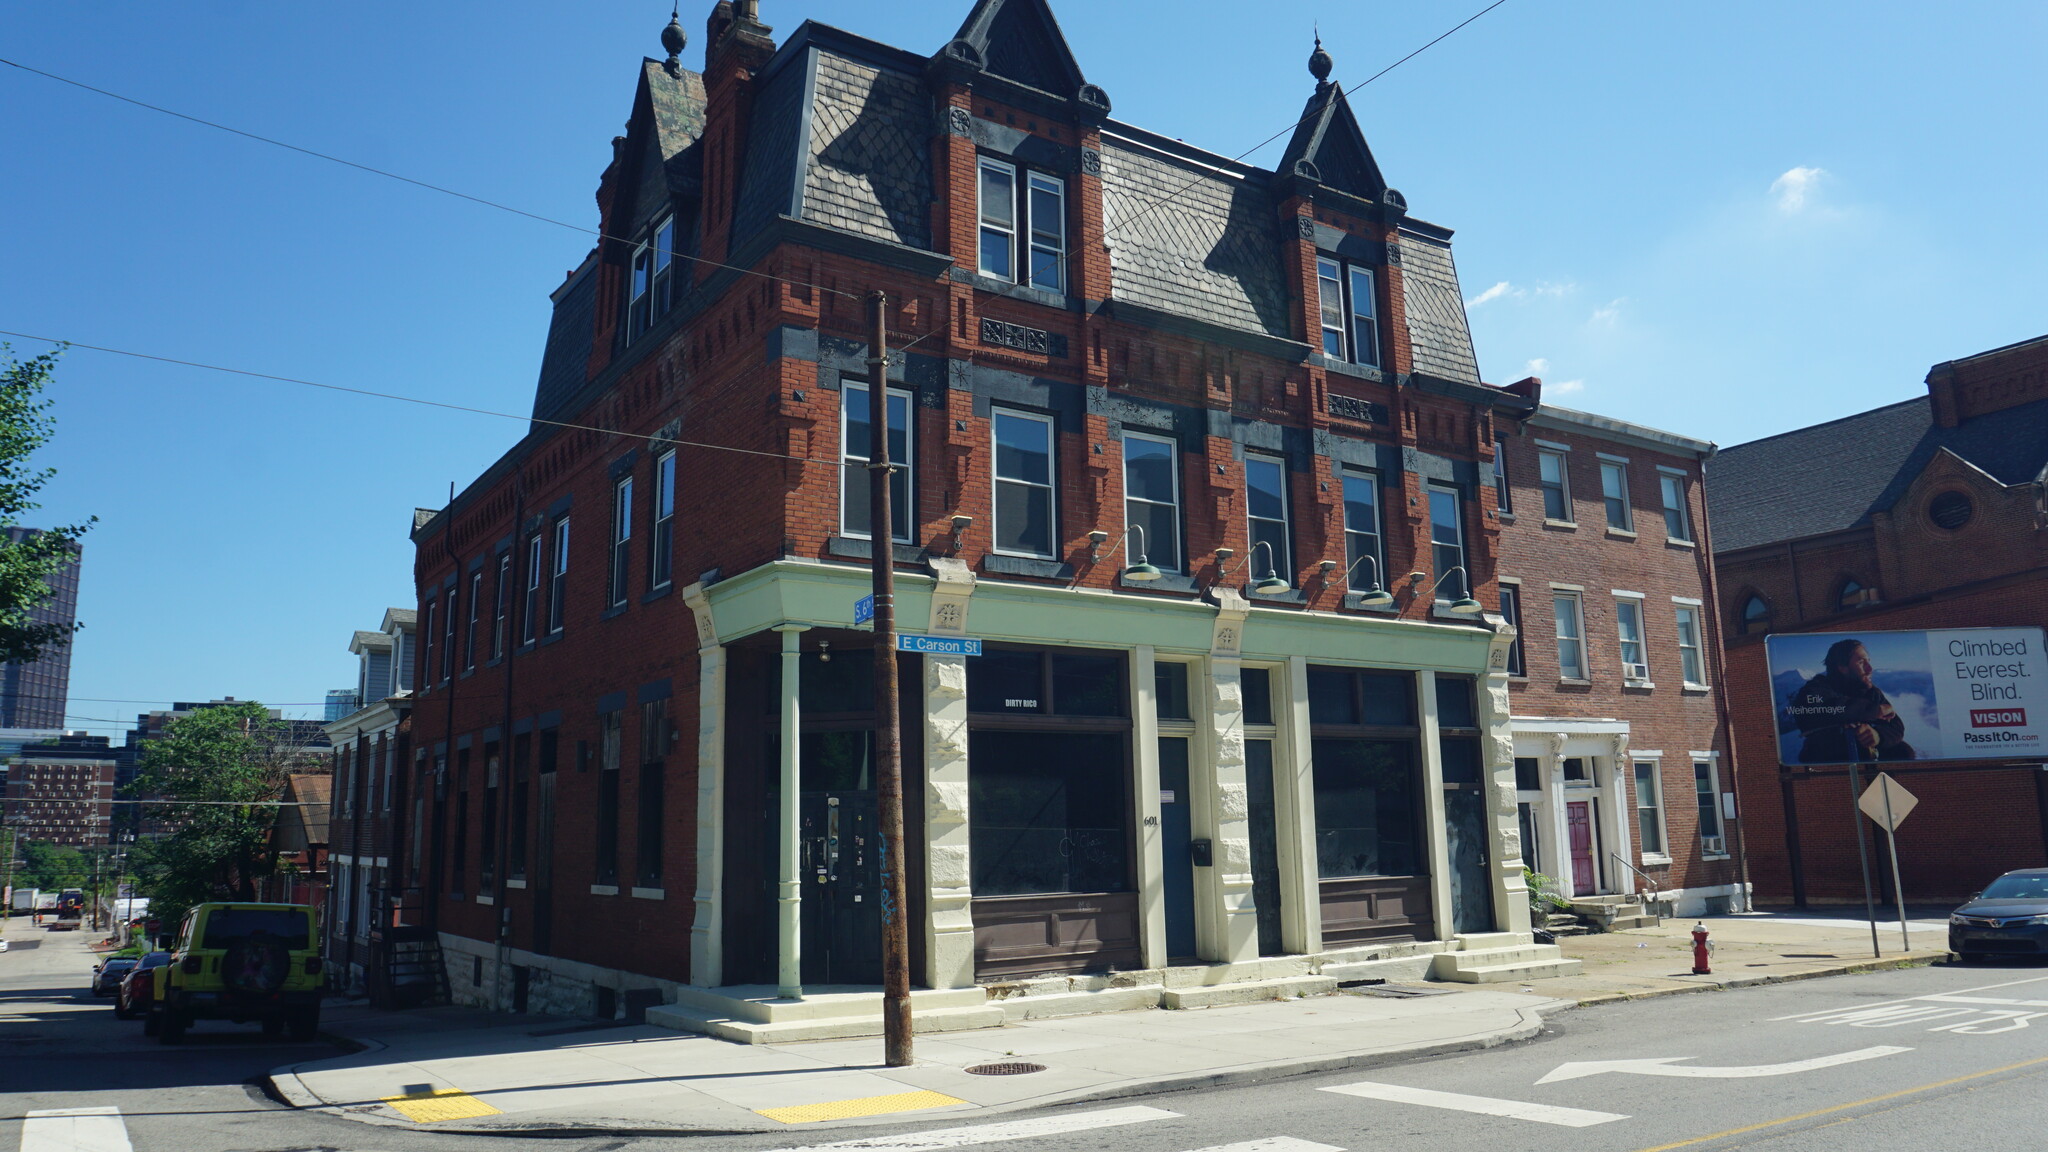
<point x="1955" y="694"/>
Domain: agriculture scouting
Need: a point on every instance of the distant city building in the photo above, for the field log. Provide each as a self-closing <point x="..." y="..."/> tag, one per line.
<point x="33" y="694"/>
<point x="62" y="791"/>
<point x="340" y="702"/>
<point x="305" y="735"/>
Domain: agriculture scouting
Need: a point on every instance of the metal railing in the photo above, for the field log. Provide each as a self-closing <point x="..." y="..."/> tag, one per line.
<point x="1645" y="886"/>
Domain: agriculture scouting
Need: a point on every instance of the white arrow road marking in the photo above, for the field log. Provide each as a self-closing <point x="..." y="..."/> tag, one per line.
<point x="1274" y="1144"/>
<point x="75" y="1130"/>
<point x="1484" y="1105"/>
<point x="941" y="1138"/>
<point x="1668" y="1066"/>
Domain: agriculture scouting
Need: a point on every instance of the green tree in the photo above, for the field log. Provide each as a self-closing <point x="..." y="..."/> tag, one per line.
<point x="26" y="565"/>
<point x="51" y="866"/>
<point x="218" y="772"/>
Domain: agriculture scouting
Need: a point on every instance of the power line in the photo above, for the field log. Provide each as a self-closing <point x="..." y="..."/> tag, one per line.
<point x="420" y="401"/>
<point x="405" y="179"/>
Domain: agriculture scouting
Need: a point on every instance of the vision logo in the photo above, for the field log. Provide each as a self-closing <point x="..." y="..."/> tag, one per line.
<point x="1998" y="717"/>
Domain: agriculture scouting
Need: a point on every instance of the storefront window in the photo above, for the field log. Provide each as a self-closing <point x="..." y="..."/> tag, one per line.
<point x="1258" y="695"/>
<point x="1366" y="807"/>
<point x="1050" y="810"/>
<point x="1170" y="688"/>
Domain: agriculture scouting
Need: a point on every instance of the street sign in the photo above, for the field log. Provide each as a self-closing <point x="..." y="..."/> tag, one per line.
<point x="1889" y="811"/>
<point x="864" y="609"/>
<point x="939" y="645"/>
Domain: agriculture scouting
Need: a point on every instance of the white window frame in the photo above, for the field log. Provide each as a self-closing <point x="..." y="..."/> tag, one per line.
<point x="558" y="578"/>
<point x="907" y="466"/>
<point x="622" y="541"/>
<point x="1614" y="473"/>
<point x="1035" y="182"/>
<point x="1443" y="594"/>
<point x="1628" y="608"/>
<point x="1377" y="551"/>
<point x="1330" y="306"/>
<point x="1356" y="329"/>
<point x="476" y="598"/>
<point x="1660" y="852"/>
<point x="1051" y="486"/>
<point x="452" y="598"/>
<point x="984" y="227"/>
<point x="1673" y="483"/>
<point x="1691" y="657"/>
<point x="1283" y="556"/>
<point x="661" y="537"/>
<point x="1559" y="597"/>
<point x="1512" y="609"/>
<point x="1711" y="847"/>
<point x="427" y="642"/>
<point x="1545" y="452"/>
<point x="1503" y="492"/>
<point x="536" y="560"/>
<point x="1173" y="471"/>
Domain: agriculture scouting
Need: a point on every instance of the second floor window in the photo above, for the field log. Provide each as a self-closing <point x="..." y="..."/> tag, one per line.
<point x="502" y="607"/>
<point x="427" y="644"/>
<point x="1362" y="532"/>
<point x="1025" y="504"/>
<point x="855" y="516"/>
<point x="1556" y="485"/>
<point x="1023" y="234"/>
<point x="448" y="637"/>
<point x="1447" y="542"/>
<point x="1614" y="491"/>
<point x="1152" y="498"/>
<point x="476" y="600"/>
<point x="1571" y="636"/>
<point x="661" y="542"/>
<point x="531" y="616"/>
<point x="1691" y="666"/>
<point x="558" y="582"/>
<point x="650" y="287"/>
<point x="1503" y="497"/>
<point x="1677" y="523"/>
<point x="1349" y="321"/>
<point x="1511" y="611"/>
<point x="622" y="539"/>
<point x="1265" y="488"/>
<point x="1628" y="621"/>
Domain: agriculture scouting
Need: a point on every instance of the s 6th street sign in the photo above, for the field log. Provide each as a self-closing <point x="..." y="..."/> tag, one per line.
<point x="864" y="609"/>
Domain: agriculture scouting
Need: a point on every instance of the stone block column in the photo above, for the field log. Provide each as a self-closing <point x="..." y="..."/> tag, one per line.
<point x="949" y="891"/>
<point x="1497" y="750"/>
<point x="707" y="932"/>
<point x="1231" y="916"/>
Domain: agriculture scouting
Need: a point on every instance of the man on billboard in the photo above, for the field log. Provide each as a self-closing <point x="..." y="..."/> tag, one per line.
<point x="1843" y="716"/>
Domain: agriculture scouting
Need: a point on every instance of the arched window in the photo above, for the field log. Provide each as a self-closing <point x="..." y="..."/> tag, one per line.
<point x="1852" y="595"/>
<point x="1756" y="615"/>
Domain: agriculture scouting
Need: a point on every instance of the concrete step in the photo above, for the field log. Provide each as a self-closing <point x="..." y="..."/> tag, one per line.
<point x="1043" y="1006"/>
<point x="1248" y="992"/>
<point x="1510" y="973"/>
<point x="821" y="1028"/>
<point x="1488" y="941"/>
<point x="1623" y="923"/>
<point x="1393" y="970"/>
<point x="764" y="1004"/>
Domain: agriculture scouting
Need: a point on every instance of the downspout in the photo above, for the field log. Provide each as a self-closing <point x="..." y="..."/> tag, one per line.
<point x="499" y="869"/>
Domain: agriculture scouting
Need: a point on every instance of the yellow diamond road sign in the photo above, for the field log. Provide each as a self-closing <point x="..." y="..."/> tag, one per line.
<point x="1886" y="802"/>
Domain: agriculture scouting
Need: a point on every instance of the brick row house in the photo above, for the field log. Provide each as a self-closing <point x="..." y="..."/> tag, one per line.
<point x="1624" y="769"/>
<point x="1200" y="451"/>
<point x="373" y="900"/>
<point x="1929" y="513"/>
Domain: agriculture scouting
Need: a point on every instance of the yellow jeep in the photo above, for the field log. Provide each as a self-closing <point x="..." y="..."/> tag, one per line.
<point x="241" y="962"/>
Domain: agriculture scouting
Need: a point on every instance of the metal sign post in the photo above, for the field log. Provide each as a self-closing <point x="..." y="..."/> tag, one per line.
<point x="1863" y="858"/>
<point x="1889" y="804"/>
<point x="896" y="1029"/>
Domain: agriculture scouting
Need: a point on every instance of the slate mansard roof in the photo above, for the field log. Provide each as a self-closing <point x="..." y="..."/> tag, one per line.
<point x="1832" y="476"/>
<point x="841" y="134"/>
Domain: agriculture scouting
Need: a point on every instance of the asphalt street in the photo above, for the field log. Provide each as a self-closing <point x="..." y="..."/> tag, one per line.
<point x="1920" y="1058"/>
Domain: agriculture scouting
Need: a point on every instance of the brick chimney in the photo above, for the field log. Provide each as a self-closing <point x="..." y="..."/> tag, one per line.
<point x="737" y="45"/>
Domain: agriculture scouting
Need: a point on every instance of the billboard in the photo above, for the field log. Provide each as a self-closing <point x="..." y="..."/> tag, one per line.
<point x="1869" y="697"/>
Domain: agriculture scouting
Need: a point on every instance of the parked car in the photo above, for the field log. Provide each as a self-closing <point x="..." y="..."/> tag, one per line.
<point x="106" y="975"/>
<point x="241" y="962"/>
<point x="2008" y="918"/>
<point x="138" y="987"/>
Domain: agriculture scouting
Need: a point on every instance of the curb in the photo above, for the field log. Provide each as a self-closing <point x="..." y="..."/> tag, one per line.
<point x="1921" y="960"/>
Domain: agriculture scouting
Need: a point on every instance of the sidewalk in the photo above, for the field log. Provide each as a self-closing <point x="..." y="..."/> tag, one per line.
<point x="451" y="1069"/>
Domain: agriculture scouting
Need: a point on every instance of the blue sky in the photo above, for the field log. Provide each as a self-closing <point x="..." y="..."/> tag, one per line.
<point x="1727" y="221"/>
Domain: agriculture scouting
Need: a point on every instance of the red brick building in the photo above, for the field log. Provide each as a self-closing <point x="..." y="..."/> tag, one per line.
<point x="1624" y="773"/>
<point x="372" y="904"/>
<point x="1199" y="450"/>
<point x="62" y="792"/>
<point x="1926" y="514"/>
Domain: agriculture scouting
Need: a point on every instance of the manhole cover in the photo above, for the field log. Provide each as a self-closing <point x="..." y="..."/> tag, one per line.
<point x="1018" y="1068"/>
<point x="1398" y="991"/>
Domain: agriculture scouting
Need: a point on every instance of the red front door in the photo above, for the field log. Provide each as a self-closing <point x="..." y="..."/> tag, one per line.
<point x="1578" y="820"/>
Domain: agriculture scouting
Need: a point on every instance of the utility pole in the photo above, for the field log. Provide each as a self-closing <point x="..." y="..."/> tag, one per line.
<point x="888" y="715"/>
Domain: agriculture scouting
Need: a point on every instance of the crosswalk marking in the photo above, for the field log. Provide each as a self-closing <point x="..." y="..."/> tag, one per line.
<point x="75" y="1130"/>
<point x="940" y="1138"/>
<point x="1484" y="1105"/>
<point x="1274" y="1144"/>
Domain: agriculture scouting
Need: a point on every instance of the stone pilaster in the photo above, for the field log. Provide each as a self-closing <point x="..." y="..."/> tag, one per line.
<point x="949" y="895"/>
<point x="1232" y="915"/>
<point x="707" y="944"/>
<point x="1497" y="747"/>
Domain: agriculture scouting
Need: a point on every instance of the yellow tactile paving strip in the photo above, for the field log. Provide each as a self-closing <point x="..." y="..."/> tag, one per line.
<point x="439" y="1105"/>
<point x="864" y="1106"/>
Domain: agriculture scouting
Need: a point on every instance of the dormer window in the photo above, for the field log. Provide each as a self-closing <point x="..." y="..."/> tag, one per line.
<point x="1350" y="326"/>
<point x="1023" y="226"/>
<point x="650" y="289"/>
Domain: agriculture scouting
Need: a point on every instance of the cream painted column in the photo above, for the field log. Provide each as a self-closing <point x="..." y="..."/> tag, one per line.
<point x="1232" y="913"/>
<point x="707" y="929"/>
<point x="949" y="884"/>
<point x="1294" y="788"/>
<point x="1622" y="842"/>
<point x="1560" y="817"/>
<point x="1436" y="829"/>
<point x="1147" y="835"/>
<point x="789" y="904"/>
<point x="1497" y="752"/>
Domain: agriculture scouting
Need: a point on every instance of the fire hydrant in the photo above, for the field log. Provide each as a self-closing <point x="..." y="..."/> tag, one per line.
<point x="1700" y="949"/>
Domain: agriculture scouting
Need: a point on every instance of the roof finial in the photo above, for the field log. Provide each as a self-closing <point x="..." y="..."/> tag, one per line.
<point x="1320" y="62"/>
<point x="674" y="38"/>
